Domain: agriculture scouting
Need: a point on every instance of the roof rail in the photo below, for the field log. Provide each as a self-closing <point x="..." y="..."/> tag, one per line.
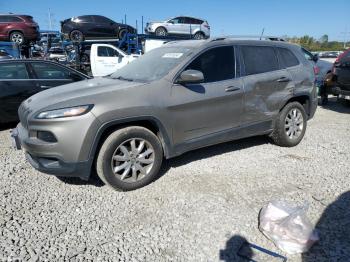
<point x="249" y="37"/>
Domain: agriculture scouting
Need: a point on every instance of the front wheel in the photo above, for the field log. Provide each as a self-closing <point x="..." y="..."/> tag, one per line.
<point x="129" y="158"/>
<point x="161" y="31"/>
<point x="290" y="125"/>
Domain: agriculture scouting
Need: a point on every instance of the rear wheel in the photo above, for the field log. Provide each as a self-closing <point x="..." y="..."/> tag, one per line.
<point x="129" y="158"/>
<point x="161" y="31"/>
<point x="76" y="36"/>
<point x="17" y="37"/>
<point x="198" y="36"/>
<point x="290" y="125"/>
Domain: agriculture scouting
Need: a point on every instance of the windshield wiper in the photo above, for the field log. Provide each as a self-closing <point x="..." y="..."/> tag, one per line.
<point x="123" y="78"/>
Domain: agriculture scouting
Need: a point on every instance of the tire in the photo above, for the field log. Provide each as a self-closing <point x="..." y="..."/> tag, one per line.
<point x="122" y="33"/>
<point x="17" y="37"/>
<point x="76" y="36"/>
<point x="161" y="31"/>
<point x="116" y="157"/>
<point x="199" y="36"/>
<point x="84" y="58"/>
<point x="292" y="112"/>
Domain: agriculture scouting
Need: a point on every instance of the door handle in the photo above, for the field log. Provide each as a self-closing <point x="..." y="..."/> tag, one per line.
<point x="43" y="86"/>
<point x="283" y="79"/>
<point x="231" y="89"/>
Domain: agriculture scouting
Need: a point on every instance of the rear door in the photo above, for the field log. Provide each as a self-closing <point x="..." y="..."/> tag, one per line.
<point x="88" y="26"/>
<point x="49" y="75"/>
<point x="104" y="27"/>
<point x="216" y="105"/>
<point x="4" y="23"/>
<point x="16" y="85"/>
<point x="266" y="84"/>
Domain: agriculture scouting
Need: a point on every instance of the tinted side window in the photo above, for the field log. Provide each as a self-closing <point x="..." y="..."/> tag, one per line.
<point x="14" y="19"/>
<point x="193" y="21"/>
<point x="101" y="20"/>
<point x="49" y="71"/>
<point x="106" y="51"/>
<point x="259" y="59"/>
<point x="216" y="64"/>
<point x="287" y="58"/>
<point x="4" y="19"/>
<point x="13" y="71"/>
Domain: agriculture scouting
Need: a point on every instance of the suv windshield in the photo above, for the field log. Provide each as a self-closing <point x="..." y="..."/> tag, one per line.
<point x="153" y="65"/>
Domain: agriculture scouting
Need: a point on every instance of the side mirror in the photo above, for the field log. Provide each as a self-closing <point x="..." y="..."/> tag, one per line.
<point x="190" y="77"/>
<point x="315" y="58"/>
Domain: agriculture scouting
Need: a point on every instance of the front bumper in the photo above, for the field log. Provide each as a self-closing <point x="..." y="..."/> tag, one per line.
<point x="68" y="154"/>
<point x="341" y="93"/>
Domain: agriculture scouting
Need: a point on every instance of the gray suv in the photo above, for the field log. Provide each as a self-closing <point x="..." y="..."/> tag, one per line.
<point x="181" y="25"/>
<point x="182" y="96"/>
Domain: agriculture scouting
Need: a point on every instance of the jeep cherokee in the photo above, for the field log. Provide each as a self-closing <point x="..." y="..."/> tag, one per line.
<point x="182" y="96"/>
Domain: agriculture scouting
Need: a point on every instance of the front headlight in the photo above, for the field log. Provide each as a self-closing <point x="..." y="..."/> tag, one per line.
<point x="65" y="112"/>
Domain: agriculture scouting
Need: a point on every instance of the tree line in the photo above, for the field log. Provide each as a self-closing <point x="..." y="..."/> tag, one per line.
<point x="312" y="44"/>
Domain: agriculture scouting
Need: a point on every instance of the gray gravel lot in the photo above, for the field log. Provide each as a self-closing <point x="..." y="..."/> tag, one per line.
<point x="205" y="204"/>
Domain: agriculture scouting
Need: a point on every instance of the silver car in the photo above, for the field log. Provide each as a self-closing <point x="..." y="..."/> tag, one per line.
<point x="181" y="25"/>
<point x="176" y="98"/>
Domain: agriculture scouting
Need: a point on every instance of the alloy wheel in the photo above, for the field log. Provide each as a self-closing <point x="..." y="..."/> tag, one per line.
<point x="133" y="160"/>
<point x="294" y="123"/>
<point x="17" y="38"/>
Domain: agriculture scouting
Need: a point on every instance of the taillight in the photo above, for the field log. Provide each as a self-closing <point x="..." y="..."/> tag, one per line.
<point x="207" y="26"/>
<point x="316" y="70"/>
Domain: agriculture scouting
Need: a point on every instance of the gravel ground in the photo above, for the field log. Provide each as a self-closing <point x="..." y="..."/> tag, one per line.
<point x="201" y="209"/>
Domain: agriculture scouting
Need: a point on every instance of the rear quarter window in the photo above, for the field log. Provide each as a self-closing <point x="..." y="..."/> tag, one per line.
<point x="259" y="59"/>
<point x="287" y="58"/>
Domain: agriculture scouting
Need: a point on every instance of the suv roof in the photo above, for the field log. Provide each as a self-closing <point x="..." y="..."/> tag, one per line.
<point x="224" y="40"/>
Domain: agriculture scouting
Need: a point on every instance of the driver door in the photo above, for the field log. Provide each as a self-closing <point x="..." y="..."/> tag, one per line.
<point x="204" y="109"/>
<point x="105" y="59"/>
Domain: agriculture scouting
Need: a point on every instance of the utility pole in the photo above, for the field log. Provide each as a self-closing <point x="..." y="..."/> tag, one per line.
<point x="50" y="20"/>
<point x="262" y="33"/>
<point x="345" y="34"/>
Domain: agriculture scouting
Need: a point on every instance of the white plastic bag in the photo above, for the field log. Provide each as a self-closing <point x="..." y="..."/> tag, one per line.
<point x="287" y="226"/>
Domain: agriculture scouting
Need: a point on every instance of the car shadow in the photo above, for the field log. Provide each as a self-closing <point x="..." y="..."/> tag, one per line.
<point x="232" y="248"/>
<point x="334" y="230"/>
<point x="337" y="106"/>
<point x="184" y="159"/>
<point x="5" y="126"/>
<point x="94" y="180"/>
<point x="214" y="150"/>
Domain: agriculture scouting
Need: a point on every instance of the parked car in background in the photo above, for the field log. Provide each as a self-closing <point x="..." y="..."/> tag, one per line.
<point x="179" y="97"/>
<point x="341" y="75"/>
<point x="79" y="28"/>
<point x="20" y="29"/>
<point x="329" y="56"/>
<point x="105" y="59"/>
<point x="181" y="25"/>
<point x="20" y="79"/>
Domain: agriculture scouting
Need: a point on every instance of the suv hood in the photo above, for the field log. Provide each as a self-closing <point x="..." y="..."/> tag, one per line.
<point x="79" y="93"/>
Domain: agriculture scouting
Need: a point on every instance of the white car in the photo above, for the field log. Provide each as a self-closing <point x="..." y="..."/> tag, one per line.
<point x="105" y="59"/>
<point x="181" y="25"/>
